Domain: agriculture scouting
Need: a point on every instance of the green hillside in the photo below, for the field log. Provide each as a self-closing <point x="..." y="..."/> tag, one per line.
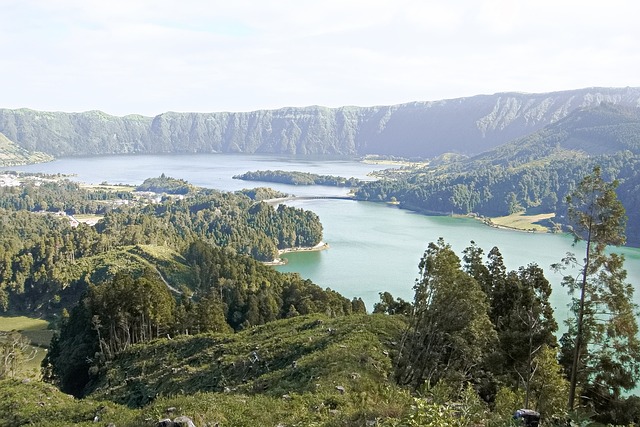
<point x="307" y="354"/>
<point x="417" y="129"/>
<point x="11" y="154"/>
<point x="532" y="174"/>
<point x="603" y="130"/>
<point x="163" y="309"/>
<point x="308" y="370"/>
<point x="166" y="262"/>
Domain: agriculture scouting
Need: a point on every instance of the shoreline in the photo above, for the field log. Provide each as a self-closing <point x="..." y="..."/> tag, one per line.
<point x="282" y="261"/>
<point x="531" y="226"/>
<point x="489" y="223"/>
<point x="527" y="227"/>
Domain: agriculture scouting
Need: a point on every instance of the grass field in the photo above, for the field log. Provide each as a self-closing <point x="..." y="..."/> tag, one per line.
<point x="522" y="221"/>
<point x="88" y="218"/>
<point x="108" y="187"/>
<point x="22" y="323"/>
<point x="36" y="331"/>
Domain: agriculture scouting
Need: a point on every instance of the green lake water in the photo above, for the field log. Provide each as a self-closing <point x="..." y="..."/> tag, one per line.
<point x="373" y="247"/>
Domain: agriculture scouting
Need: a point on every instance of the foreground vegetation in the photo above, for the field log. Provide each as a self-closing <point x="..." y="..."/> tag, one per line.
<point x="161" y="312"/>
<point x="308" y="370"/>
<point x="29" y="338"/>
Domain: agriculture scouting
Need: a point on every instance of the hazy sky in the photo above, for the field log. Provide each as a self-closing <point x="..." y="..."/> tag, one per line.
<point x="148" y="57"/>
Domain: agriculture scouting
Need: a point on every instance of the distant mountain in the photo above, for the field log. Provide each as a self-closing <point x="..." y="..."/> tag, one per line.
<point x="604" y="129"/>
<point x="533" y="173"/>
<point x="420" y="129"/>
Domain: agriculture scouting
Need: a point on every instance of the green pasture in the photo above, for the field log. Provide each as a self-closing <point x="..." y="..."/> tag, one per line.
<point x="36" y="331"/>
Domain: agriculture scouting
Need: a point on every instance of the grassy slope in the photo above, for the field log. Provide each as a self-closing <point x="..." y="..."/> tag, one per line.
<point x="522" y="221"/>
<point x="212" y="379"/>
<point x="22" y="323"/>
<point x="213" y="362"/>
<point x="135" y="259"/>
<point x="36" y="331"/>
<point x="11" y="154"/>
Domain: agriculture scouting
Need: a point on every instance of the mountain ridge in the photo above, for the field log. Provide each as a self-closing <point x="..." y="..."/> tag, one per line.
<point x="531" y="174"/>
<point x="604" y="129"/>
<point x="468" y="125"/>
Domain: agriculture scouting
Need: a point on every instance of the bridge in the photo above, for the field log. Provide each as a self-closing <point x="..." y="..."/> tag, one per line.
<point x="279" y="200"/>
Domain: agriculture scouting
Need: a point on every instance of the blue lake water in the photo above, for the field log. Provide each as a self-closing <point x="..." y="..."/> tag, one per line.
<point x="373" y="247"/>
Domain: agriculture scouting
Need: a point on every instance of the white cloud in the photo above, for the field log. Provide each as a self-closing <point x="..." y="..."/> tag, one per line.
<point x="147" y="57"/>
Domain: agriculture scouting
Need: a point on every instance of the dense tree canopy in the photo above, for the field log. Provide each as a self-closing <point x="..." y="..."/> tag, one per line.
<point x="234" y="292"/>
<point x="298" y="178"/>
<point x="43" y="255"/>
<point x="501" y="188"/>
<point x="450" y="332"/>
<point x="601" y="348"/>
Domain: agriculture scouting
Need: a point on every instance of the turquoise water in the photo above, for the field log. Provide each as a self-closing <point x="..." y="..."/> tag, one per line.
<point x="376" y="248"/>
<point x="373" y="247"/>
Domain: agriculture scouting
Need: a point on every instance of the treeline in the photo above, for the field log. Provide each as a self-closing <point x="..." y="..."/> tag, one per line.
<point x="477" y="325"/>
<point x="61" y="195"/>
<point x="224" y="219"/>
<point x="165" y="184"/>
<point x="479" y="331"/>
<point x="473" y="321"/>
<point x="536" y="172"/>
<point x="40" y="253"/>
<point x="499" y="190"/>
<point x="299" y="178"/>
<point x="232" y="292"/>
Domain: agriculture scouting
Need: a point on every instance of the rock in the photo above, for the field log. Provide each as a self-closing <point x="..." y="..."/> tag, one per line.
<point x="165" y="423"/>
<point x="340" y="389"/>
<point x="183" y="421"/>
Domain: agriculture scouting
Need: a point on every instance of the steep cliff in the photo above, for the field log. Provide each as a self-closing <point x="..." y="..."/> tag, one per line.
<point x="464" y="125"/>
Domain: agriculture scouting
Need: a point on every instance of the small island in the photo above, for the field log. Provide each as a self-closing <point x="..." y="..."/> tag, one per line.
<point x="299" y="178"/>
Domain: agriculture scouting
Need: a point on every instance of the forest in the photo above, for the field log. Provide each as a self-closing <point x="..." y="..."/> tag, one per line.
<point x="298" y="178"/>
<point x="164" y="308"/>
<point x="532" y="174"/>
<point x="164" y="304"/>
<point x="44" y="256"/>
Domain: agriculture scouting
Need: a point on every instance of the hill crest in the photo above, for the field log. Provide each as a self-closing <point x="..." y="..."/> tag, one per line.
<point x="468" y="126"/>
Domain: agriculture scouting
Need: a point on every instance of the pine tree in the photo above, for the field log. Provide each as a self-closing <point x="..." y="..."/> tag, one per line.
<point x="601" y="344"/>
<point x="450" y="331"/>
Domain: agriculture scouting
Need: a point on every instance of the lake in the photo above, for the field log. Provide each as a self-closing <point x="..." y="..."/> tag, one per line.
<point x="373" y="247"/>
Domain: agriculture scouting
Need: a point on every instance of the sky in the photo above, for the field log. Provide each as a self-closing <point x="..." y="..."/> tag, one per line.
<point x="148" y="57"/>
